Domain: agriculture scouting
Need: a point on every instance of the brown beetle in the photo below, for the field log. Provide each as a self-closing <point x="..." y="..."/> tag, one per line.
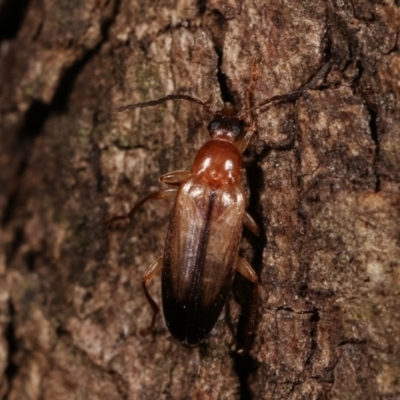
<point x="201" y="250"/>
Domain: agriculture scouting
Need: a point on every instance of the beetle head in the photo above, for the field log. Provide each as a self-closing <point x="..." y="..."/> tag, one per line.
<point x="226" y="125"/>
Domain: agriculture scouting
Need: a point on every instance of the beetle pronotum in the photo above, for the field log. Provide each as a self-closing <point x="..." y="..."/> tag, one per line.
<point x="201" y="249"/>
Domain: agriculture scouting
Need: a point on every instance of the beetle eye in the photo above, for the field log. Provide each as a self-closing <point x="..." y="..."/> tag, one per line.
<point x="213" y="125"/>
<point x="236" y="129"/>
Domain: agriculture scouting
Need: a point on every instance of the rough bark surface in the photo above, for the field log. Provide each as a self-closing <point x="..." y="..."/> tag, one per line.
<point x="323" y="174"/>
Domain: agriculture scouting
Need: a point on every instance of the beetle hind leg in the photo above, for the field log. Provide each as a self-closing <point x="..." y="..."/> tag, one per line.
<point x="153" y="270"/>
<point x="244" y="268"/>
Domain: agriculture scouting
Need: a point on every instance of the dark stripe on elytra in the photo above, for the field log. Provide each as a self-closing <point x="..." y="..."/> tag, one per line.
<point x="196" y="287"/>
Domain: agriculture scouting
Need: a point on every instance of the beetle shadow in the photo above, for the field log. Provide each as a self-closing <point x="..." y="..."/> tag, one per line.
<point x="244" y="363"/>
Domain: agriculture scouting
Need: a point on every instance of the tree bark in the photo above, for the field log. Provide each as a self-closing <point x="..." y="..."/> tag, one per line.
<point x="323" y="176"/>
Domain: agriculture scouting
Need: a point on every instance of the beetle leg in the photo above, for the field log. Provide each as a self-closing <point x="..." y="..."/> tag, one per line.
<point x="243" y="143"/>
<point x="251" y="224"/>
<point x="160" y="195"/>
<point x="175" y="177"/>
<point x="153" y="270"/>
<point x="244" y="268"/>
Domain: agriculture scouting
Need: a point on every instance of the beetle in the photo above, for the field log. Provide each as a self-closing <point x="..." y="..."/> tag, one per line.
<point x="201" y="248"/>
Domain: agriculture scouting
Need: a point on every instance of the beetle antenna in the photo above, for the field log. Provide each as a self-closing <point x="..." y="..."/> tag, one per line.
<point x="152" y="103"/>
<point x="282" y="98"/>
<point x="293" y="95"/>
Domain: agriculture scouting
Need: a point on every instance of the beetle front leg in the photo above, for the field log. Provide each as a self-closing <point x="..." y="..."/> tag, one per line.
<point x="160" y="195"/>
<point x="244" y="142"/>
<point x="244" y="268"/>
<point x="175" y="178"/>
<point x="153" y="270"/>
